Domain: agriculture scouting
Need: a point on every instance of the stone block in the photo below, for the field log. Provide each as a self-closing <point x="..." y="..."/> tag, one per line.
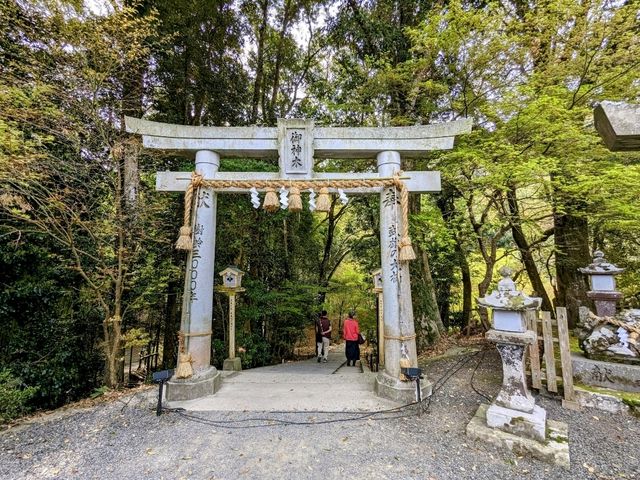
<point x="398" y="391"/>
<point x="206" y="382"/>
<point x="597" y="373"/>
<point x="515" y="338"/>
<point x="600" y="401"/>
<point x="233" y="364"/>
<point x="531" y="425"/>
<point x="554" y="449"/>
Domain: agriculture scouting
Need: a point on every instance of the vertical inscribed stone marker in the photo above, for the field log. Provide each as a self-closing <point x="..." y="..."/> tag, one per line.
<point x="296" y="143"/>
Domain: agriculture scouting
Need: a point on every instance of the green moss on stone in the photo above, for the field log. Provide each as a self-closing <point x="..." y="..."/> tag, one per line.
<point x="574" y="344"/>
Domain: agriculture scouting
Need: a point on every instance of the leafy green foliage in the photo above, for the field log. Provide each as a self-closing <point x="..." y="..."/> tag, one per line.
<point x="14" y="398"/>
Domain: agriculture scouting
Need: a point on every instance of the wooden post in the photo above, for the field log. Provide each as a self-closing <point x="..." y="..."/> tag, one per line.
<point x="232" y="325"/>
<point x="569" y="400"/>
<point x="549" y="358"/>
<point x="380" y="329"/>
<point x="534" y="349"/>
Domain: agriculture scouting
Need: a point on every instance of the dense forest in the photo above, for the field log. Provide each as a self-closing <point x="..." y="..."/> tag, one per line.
<point x="87" y="264"/>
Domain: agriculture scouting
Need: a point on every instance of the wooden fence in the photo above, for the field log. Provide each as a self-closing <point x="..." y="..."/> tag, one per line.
<point x="545" y="369"/>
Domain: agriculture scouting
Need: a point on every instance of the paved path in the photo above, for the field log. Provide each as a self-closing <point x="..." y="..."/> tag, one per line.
<point x="296" y="386"/>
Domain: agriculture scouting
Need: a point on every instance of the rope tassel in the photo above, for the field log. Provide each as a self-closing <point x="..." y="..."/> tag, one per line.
<point x="271" y="202"/>
<point x="185" y="241"/>
<point x="184" y="368"/>
<point x="406" y="250"/>
<point x="323" y="203"/>
<point x="295" y="201"/>
<point x="406" y="253"/>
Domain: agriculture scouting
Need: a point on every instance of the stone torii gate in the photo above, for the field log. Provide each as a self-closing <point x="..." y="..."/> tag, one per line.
<point x="296" y="143"/>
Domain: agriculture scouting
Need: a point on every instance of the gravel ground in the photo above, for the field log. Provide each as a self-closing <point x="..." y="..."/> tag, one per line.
<point x="125" y="440"/>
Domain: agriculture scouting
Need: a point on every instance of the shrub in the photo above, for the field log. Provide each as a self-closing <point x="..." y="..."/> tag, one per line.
<point x="14" y="398"/>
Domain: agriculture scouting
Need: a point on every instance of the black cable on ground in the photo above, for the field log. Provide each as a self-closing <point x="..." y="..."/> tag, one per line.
<point x="483" y="395"/>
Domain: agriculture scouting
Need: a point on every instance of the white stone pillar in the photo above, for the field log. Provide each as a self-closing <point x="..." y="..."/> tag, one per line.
<point x="200" y="268"/>
<point x="397" y="309"/>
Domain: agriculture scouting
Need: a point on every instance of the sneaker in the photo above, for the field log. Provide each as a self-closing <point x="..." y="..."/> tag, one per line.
<point x="319" y="359"/>
<point x="324" y="360"/>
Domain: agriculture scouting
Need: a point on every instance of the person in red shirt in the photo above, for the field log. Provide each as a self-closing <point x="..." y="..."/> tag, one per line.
<point x="350" y="333"/>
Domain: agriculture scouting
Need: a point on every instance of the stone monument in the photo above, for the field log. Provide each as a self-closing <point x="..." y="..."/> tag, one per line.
<point x="609" y="339"/>
<point x="513" y="420"/>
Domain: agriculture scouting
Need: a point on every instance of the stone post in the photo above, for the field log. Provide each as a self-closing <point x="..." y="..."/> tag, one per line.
<point x="380" y="328"/>
<point x="198" y="293"/>
<point x="397" y="310"/>
<point x="603" y="285"/>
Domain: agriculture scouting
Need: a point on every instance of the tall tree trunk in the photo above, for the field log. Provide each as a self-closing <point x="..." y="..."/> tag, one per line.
<point x="257" y="84"/>
<point x="445" y="203"/>
<point x="426" y="313"/>
<point x="324" y="268"/>
<point x="525" y="250"/>
<point x="171" y="324"/>
<point x="287" y="16"/>
<point x="572" y="252"/>
<point x="466" y="284"/>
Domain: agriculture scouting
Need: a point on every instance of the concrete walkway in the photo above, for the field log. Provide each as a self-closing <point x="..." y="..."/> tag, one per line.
<point x="296" y="386"/>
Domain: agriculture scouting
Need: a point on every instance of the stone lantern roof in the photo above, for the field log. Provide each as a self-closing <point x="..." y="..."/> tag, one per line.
<point x="600" y="266"/>
<point x="507" y="296"/>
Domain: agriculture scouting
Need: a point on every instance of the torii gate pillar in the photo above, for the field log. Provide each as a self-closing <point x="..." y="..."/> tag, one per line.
<point x="197" y="299"/>
<point x="399" y="332"/>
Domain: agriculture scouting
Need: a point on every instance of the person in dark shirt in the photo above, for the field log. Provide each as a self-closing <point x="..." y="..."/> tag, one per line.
<point x="318" y="337"/>
<point x="323" y="336"/>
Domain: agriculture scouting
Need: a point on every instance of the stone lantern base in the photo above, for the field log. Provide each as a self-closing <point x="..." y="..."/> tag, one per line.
<point x="513" y="421"/>
<point x="530" y="425"/>
<point x="554" y="449"/>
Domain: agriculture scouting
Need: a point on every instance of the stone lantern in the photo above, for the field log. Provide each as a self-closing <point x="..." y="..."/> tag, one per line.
<point x="603" y="284"/>
<point x="513" y="420"/>
<point x="511" y="336"/>
<point x="231" y="285"/>
<point x="377" y="288"/>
